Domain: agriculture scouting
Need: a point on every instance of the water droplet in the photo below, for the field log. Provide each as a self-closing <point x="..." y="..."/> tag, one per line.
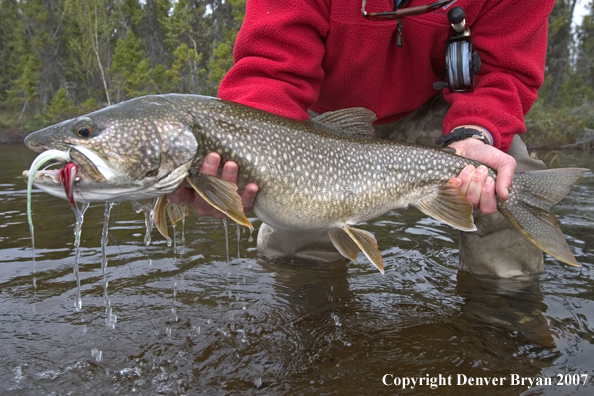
<point x="336" y="319"/>
<point x="237" y="226"/>
<point x="77" y="234"/>
<point x="111" y="321"/>
<point x="258" y="382"/>
<point x="226" y="239"/>
<point x="97" y="354"/>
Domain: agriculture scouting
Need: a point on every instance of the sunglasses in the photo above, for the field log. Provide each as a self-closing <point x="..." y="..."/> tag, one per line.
<point x="400" y="11"/>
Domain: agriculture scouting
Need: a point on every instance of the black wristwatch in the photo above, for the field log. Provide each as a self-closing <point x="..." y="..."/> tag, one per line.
<point x="461" y="134"/>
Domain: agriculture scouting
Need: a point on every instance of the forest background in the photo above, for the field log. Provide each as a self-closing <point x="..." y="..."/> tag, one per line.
<point x="63" y="58"/>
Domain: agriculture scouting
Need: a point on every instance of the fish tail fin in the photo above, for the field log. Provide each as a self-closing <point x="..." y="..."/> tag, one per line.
<point x="530" y="198"/>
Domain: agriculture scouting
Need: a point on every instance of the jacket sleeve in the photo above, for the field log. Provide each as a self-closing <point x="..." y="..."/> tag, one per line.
<point x="512" y="42"/>
<point x="278" y="57"/>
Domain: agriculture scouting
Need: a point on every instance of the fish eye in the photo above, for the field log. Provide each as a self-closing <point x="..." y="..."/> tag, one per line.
<point x="84" y="128"/>
<point x="84" y="131"/>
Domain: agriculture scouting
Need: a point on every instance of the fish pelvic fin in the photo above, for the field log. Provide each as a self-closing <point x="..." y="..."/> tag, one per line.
<point x="222" y="195"/>
<point x="349" y="240"/>
<point x="344" y="243"/>
<point x="530" y="198"/>
<point x="449" y="205"/>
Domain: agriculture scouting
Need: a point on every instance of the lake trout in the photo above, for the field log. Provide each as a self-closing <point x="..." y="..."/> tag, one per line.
<point x="322" y="175"/>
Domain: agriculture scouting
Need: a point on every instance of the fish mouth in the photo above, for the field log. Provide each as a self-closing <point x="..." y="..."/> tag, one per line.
<point x="89" y="166"/>
<point x="80" y="168"/>
<point x="84" y="176"/>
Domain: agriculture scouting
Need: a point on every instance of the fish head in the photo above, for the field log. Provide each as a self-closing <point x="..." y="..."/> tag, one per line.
<point x="140" y="148"/>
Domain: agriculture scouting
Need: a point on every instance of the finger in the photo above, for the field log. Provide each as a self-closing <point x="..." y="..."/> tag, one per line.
<point x="505" y="175"/>
<point x="211" y="164"/>
<point x="465" y="177"/>
<point x="182" y="194"/>
<point x="488" y="203"/>
<point x="457" y="182"/>
<point x="230" y="172"/>
<point x="475" y="188"/>
<point x="248" y="196"/>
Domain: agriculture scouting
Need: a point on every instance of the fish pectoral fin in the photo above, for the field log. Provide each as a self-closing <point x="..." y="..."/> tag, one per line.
<point x="222" y="195"/>
<point x="176" y="212"/>
<point x="344" y="243"/>
<point x="449" y="205"/>
<point x="159" y="218"/>
<point x="367" y="243"/>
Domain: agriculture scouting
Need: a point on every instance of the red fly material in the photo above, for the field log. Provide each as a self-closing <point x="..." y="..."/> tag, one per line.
<point x="67" y="177"/>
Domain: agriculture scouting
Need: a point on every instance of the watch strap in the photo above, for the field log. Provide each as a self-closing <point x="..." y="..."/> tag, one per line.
<point x="462" y="133"/>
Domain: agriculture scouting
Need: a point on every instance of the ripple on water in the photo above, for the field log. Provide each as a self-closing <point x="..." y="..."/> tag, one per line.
<point x="192" y="322"/>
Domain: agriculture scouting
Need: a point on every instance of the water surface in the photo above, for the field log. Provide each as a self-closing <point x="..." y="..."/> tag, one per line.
<point x="189" y="322"/>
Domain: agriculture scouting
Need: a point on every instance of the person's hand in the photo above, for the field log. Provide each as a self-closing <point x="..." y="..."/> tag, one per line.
<point x="185" y="194"/>
<point x="478" y="187"/>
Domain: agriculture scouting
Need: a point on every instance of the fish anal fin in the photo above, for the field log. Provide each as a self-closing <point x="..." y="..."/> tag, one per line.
<point x="222" y="195"/>
<point x="344" y="243"/>
<point x="449" y="205"/>
<point x="159" y="217"/>
<point x="367" y="243"/>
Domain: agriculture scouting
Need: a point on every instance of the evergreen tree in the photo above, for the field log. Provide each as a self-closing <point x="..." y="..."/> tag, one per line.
<point x="130" y="68"/>
<point x="585" y="49"/>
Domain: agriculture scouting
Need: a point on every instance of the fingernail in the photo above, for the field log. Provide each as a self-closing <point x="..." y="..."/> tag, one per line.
<point x="482" y="169"/>
<point x="231" y="169"/>
<point x="489" y="181"/>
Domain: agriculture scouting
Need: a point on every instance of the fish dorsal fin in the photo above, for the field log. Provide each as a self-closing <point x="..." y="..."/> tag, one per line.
<point x="449" y="205"/>
<point x="364" y="241"/>
<point x="351" y="122"/>
<point x="220" y="194"/>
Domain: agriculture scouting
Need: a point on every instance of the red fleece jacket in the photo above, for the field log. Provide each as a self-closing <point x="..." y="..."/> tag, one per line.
<point x="293" y="55"/>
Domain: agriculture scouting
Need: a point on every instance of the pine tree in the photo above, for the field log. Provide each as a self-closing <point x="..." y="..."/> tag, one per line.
<point x="129" y="69"/>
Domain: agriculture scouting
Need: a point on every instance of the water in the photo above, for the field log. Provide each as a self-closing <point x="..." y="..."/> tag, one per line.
<point x="110" y="318"/>
<point x="192" y="324"/>
<point x="79" y="215"/>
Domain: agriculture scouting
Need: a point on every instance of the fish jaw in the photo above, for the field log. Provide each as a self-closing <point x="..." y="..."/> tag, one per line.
<point x="118" y="187"/>
<point x="138" y="149"/>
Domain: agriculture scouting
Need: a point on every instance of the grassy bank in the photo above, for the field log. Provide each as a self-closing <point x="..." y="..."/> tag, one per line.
<point x="552" y="128"/>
